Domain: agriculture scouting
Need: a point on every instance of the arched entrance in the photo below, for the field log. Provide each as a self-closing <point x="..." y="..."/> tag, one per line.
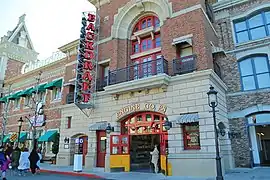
<point x="78" y="141"/>
<point x="140" y="132"/>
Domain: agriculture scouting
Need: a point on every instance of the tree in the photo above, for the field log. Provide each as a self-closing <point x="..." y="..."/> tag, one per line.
<point x="55" y="146"/>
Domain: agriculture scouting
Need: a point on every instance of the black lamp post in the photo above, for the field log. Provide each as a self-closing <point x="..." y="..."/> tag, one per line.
<point x="213" y="102"/>
<point x="20" y="121"/>
<point x="167" y="125"/>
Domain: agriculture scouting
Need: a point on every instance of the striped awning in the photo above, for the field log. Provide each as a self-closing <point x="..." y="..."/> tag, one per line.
<point x="184" y="118"/>
<point x="98" y="126"/>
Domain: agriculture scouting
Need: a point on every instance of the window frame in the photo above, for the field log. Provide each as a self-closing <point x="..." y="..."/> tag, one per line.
<point x="120" y="145"/>
<point x="57" y="93"/>
<point x="68" y="122"/>
<point x="153" y="19"/>
<point x="248" y="29"/>
<point x="253" y="71"/>
<point x="17" y="103"/>
<point x="186" y="147"/>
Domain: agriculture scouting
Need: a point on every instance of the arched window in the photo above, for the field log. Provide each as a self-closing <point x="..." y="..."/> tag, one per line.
<point x="144" y="123"/>
<point x="147" y="41"/>
<point x="254" y="73"/>
<point x="253" y="27"/>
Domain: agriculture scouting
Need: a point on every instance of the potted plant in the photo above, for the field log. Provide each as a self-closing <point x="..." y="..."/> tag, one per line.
<point x="55" y="147"/>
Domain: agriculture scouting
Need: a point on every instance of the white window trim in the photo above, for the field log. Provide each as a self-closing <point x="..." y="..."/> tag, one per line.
<point x="61" y="92"/>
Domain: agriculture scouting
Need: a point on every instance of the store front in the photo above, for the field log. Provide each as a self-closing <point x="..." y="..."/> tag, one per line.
<point x="259" y="132"/>
<point x="140" y="133"/>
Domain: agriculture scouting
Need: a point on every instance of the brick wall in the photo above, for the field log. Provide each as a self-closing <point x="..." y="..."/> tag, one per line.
<point x="237" y="100"/>
<point x="240" y="145"/>
<point x="14" y="68"/>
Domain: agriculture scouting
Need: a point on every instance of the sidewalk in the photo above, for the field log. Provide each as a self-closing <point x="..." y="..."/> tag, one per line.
<point x="261" y="173"/>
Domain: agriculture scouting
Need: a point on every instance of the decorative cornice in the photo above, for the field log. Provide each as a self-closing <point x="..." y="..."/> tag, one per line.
<point x="36" y="71"/>
<point x="70" y="46"/>
<point x="227" y="4"/>
<point x="16" y="52"/>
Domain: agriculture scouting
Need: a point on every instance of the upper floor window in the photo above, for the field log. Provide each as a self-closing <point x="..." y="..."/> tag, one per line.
<point x="147" y="22"/>
<point x="56" y="93"/>
<point x="17" y="103"/>
<point x="252" y="28"/>
<point x="255" y="73"/>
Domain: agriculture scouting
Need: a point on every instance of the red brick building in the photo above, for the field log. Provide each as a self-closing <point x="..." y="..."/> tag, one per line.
<point x="155" y="62"/>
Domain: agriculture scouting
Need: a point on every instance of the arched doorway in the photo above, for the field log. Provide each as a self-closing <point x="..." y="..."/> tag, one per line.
<point x="139" y="134"/>
<point x="82" y="141"/>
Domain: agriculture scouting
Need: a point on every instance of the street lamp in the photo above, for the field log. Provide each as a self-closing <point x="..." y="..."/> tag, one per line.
<point x="167" y="124"/>
<point x="20" y="121"/>
<point x="213" y="102"/>
<point x="109" y="128"/>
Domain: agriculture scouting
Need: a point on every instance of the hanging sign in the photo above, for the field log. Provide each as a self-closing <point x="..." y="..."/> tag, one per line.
<point x="86" y="60"/>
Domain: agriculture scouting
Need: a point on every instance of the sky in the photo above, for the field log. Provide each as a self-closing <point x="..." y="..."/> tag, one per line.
<point x="50" y="23"/>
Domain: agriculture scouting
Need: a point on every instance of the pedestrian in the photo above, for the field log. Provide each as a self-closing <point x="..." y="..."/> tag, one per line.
<point x="4" y="162"/>
<point x="24" y="162"/>
<point x="34" y="158"/>
<point x="15" y="157"/>
<point x="40" y="157"/>
<point x="155" y="158"/>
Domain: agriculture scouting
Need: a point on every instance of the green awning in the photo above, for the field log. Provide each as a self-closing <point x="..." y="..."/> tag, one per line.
<point x="15" y="96"/>
<point x="41" y="88"/>
<point x="3" y="99"/>
<point x="56" y="83"/>
<point x="23" y="136"/>
<point x="48" y="136"/>
<point x="6" y="138"/>
<point x="26" y="92"/>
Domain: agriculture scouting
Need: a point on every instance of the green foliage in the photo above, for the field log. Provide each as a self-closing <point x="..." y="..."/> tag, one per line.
<point x="55" y="146"/>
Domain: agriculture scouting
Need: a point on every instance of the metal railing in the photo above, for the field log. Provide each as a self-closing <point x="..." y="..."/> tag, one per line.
<point x="138" y="71"/>
<point x="101" y="83"/>
<point x="184" y="65"/>
<point x="70" y="98"/>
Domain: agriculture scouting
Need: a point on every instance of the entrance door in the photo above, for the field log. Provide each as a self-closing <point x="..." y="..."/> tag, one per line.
<point x="101" y="148"/>
<point x="85" y="147"/>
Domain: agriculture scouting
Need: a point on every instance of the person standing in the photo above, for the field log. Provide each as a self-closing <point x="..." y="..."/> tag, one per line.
<point x="4" y="162"/>
<point x="34" y="158"/>
<point x="24" y="162"/>
<point x="155" y="158"/>
<point x="15" y="157"/>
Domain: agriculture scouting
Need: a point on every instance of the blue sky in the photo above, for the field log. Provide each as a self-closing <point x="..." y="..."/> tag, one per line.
<point x="51" y="23"/>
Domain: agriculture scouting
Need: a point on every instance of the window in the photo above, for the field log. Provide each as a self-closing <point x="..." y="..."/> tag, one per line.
<point x="146" y="22"/>
<point x="191" y="135"/>
<point x="56" y="93"/>
<point x="158" y="42"/>
<point x="68" y="122"/>
<point x="136" y="48"/>
<point x="119" y="144"/>
<point x="17" y="103"/>
<point x="185" y="51"/>
<point x="254" y="73"/>
<point x="157" y="22"/>
<point x="146" y="44"/>
<point x="254" y="27"/>
<point x="27" y="100"/>
<point x="41" y="96"/>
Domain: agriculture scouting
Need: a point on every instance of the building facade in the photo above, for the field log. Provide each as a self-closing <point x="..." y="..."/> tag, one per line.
<point x="30" y="84"/>
<point x="156" y="60"/>
<point x="243" y="29"/>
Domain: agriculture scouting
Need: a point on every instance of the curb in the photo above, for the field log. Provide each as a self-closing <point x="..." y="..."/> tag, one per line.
<point x="72" y="173"/>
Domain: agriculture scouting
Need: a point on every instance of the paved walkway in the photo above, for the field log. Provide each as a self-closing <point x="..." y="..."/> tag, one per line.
<point x="236" y="174"/>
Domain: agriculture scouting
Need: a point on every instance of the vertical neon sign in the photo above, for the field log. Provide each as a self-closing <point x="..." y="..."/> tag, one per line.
<point x="86" y="63"/>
